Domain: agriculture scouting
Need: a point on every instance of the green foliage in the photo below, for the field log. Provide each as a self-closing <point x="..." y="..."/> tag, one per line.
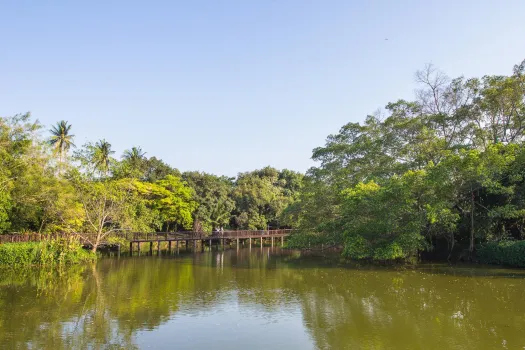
<point x="384" y="222"/>
<point x="170" y="199"/>
<point x="61" y="139"/>
<point x="137" y="166"/>
<point x="5" y="208"/>
<point x="213" y="196"/>
<point x="111" y="205"/>
<point x="46" y="253"/>
<point x="262" y="196"/>
<point x="16" y="254"/>
<point x="446" y="166"/>
<point x="28" y="181"/>
<point x="509" y="253"/>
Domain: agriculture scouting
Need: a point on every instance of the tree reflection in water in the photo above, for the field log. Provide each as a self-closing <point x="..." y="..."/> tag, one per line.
<point x="238" y="297"/>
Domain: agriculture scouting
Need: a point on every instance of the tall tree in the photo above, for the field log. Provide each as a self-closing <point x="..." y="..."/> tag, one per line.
<point x="171" y="201"/>
<point x="262" y="195"/>
<point x="101" y="156"/>
<point x="108" y="206"/>
<point x="61" y="140"/>
<point x="133" y="164"/>
<point x="134" y="155"/>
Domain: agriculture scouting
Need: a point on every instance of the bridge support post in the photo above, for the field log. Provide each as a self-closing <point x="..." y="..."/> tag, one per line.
<point x="158" y="248"/>
<point x="272" y="241"/>
<point x="250" y="241"/>
<point x="237" y="243"/>
<point x="169" y="248"/>
<point x="282" y="241"/>
<point x="222" y="243"/>
<point x="210" y="245"/>
<point x="261" y="241"/>
<point x="194" y="245"/>
<point x="130" y="248"/>
<point x="151" y="248"/>
<point x="138" y="247"/>
<point x="177" y="243"/>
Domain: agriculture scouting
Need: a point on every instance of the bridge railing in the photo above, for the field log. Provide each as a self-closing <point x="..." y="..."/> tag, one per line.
<point x="251" y="233"/>
<point x="229" y="234"/>
<point x="134" y="236"/>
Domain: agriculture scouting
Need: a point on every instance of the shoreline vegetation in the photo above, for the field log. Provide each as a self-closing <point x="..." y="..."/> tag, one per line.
<point x="46" y="253"/>
<point x="438" y="177"/>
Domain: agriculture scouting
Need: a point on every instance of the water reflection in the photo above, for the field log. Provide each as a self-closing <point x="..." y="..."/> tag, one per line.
<point x="260" y="299"/>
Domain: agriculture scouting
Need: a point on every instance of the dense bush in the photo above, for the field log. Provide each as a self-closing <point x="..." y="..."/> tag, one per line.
<point x="45" y="253"/>
<point x="509" y="253"/>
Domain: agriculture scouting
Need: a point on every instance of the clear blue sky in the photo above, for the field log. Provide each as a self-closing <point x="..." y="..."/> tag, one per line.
<point x="229" y="86"/>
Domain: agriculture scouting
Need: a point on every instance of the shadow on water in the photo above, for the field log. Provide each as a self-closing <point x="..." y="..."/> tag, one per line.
<point x="231" y="299"/>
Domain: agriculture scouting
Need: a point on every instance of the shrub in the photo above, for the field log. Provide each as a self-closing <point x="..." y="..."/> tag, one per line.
<point x="46" y="253"/>
<point x="16" y="254"/>
<point x="509" y="253"/>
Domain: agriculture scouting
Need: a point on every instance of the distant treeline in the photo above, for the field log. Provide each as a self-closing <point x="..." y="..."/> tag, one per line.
<point x="49" y="185"/>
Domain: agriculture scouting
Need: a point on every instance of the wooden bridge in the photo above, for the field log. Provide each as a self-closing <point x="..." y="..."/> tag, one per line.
<point x="187" y="240"/>
<point x="194" y="240"/>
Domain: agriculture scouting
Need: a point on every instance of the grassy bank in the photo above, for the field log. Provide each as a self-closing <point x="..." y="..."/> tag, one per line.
<point x="45" y="253"/>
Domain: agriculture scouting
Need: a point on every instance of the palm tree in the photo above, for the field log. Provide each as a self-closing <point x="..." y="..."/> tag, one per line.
<point x="101" y="156"/>
<point x="61" y="139"/>
<point x="133" y="155"/>
<point x="134" y="158"/>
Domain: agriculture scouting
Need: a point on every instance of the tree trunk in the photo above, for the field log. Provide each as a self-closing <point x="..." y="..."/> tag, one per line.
<point x="96" y="243"/>
<point x="196" y="225"/>
<point x="452" y="243"/>
<point x="471" y="246"/>
<point x="60" y="162"/>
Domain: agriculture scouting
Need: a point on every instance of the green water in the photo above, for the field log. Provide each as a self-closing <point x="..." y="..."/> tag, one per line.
<point x="260" y="299"/>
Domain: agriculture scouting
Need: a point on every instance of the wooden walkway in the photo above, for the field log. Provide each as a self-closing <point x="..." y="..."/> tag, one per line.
<point x="187" y="240"/>
<point x="194" y="240"/>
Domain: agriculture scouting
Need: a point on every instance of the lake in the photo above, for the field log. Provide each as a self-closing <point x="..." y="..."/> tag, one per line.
<point x="260" y="299"/>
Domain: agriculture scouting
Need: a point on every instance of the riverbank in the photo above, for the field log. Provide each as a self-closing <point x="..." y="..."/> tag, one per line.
<point x="69" y="251"/>
<point x="64" y="251"/>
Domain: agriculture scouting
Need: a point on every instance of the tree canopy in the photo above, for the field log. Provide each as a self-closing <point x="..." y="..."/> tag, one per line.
<point x="446" y="167"/>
